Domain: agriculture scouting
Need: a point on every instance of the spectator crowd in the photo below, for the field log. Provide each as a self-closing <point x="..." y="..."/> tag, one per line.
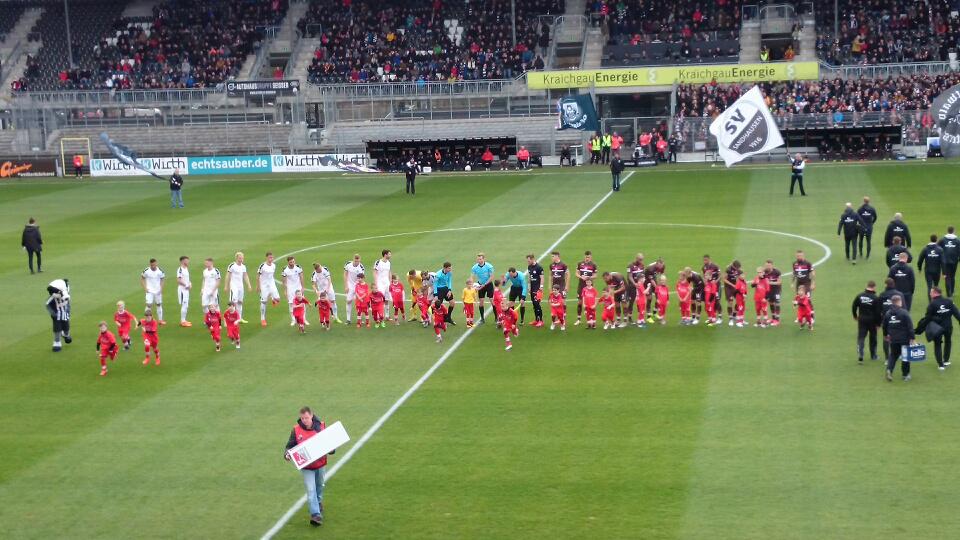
<point x="421" y="40"/>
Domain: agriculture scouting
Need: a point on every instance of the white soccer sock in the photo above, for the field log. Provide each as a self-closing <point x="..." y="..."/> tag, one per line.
<point x="350" y="311"/>
<point x="291" y="312"/>
<point x="333" y="301"/>
<point x="263" y="311"/>
<point x="183" y="312"/>
<point x="160" y="312"/>
<point x="240" y="310"/>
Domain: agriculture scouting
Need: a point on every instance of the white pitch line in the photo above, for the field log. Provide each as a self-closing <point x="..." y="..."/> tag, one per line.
<point x="416" y="386"/>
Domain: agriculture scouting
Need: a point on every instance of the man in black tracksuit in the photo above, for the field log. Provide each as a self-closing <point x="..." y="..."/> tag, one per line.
<point x="897" y="228"/>
<point x="951" y="255"/>
<point x="866" y="311"/>
<point x="616" y="168"/>
<point x="932" y="256"/>
<point x="410" y="170"/>
<point x="904" y="280"/>
<point x="797" y="164"/>
<point x="886" y="304"/>
<point x="894" y="251"/>
<point x="898" y="327"/>
<point x="868" y="215"/>
<point x="850" y="224"/>
<point x="940" y="311"/>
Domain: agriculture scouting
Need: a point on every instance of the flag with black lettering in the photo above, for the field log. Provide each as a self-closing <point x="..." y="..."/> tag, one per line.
<point x="745" y="128"/>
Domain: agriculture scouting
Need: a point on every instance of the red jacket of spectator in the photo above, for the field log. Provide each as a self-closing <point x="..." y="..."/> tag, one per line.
<point x="523" y="154"/>
<point x="487" y="156"/>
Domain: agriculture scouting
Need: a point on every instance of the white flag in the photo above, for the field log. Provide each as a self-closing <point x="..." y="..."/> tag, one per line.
<point x="745" y="128"/>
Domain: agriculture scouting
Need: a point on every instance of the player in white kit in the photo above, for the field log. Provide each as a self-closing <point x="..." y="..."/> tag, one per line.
<point x="323" y="283"/>
<point x="293" y="283"/>
<point x="236" y="278"/>
<point x="381" y="276"/>
<point x="266" y="286"/>
<point x="350" y="272"/>
<point x="183" y="289"/>
<point x="211" y="283"/>
<point x="152" y="281"/>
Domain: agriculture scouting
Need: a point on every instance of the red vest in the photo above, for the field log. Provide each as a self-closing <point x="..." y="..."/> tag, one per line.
<point x="77" y="161"/>
<point x="303" y="435"/>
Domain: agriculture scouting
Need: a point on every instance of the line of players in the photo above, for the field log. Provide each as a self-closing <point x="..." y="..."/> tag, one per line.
<point x="643" y="286"/>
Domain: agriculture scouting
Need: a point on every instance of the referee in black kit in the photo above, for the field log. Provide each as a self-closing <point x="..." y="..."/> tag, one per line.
<point x="797" y="164"/>
<point x="866" y="311"/>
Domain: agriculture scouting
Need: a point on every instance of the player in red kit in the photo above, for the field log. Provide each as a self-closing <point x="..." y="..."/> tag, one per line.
<point x="362" y="301"/>
<point x="588" y="299"/>
<point x="710" y="292"/>
<point x="662" y="293"/>
<point x="396" y="298"/>
<point x="509" y="320"/>
<point x="740" y="303"/>
<point x="324" y="307"/>
<point x="439" y="319"/>
<point x="423" y="302"/>
<point x="300" y="310"/>
<point x="151" y="340"/>
<point x="804" y="308"/>
<point x="609" y="315"/>
<point x="213" y="321"/>
<point x="232" y="319"/>
<point x="684" y="296"/>
<point x="761" y="288"/>
<point x="378" y="303"/>
<point x="124" y="320"/>
<point x="558" y="309"/>
<point x="497" y="301"/>
<point x="106" y="347"/>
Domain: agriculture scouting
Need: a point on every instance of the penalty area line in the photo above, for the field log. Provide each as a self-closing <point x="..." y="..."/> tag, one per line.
<point x="288" y="515"/>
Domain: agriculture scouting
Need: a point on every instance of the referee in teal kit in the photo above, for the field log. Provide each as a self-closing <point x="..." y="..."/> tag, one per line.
<point x="442" y="289"/>
<point x="483" y="277"/>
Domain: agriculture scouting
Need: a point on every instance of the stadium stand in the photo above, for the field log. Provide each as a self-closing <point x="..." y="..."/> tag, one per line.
<point x="184" y="45"/>
<point x="883" y="32"/>
<point x="408" y="40"/>
<point x="10" y="13"/>
<point x="223" y="139"/>
<point x="643" y="32"/>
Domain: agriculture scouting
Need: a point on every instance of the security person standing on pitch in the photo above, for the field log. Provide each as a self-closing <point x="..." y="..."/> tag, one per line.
<point x="932" y="256"/>
<point x="866" y="311"/>
<point x="797" y="164"/>
<point x="951" y="255"/>
<point x="605" y="144"/>
<point x="904" y="280"/>
<point x="897" y="228"/>
<point x="410" y="169"/>
<point x="616" y="167"/>
<point x="898" y="328"/>
<point x="851" y="225"/>
<point x="868" y="215"/>
<point x="939" y="327"/>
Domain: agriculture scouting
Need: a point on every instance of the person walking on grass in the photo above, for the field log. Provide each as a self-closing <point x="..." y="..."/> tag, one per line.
<point x="938" y="326"/>
<point x="898" y="328"/>
<point x="850" y="225"/>
<point x="868" y="215"/>
<point x="306" y="427"/>
<point x="32" y="243"/>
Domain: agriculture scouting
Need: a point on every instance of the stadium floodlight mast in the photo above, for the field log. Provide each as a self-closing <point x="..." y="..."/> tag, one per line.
<point x="66" y="22"/>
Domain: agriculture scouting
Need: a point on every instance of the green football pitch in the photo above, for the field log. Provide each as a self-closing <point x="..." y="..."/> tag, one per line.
<point x="668" y="432"/>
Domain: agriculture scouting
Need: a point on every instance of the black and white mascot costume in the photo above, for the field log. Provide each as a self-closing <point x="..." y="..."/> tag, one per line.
<point x="58" y="306"/>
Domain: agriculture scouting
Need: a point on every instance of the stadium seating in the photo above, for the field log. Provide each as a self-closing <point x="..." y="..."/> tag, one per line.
<point x="825" y="96"/>
<point x="10" y="13"/>
<point x="886" y="32"/>
<point x="410" y="40"/>
<point x="184" y="45"/>
<point x="643" y="32"/>
<point x="152" y="141"/>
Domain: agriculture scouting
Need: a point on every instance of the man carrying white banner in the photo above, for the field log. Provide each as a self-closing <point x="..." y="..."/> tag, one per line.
<point x="745" y="128"/>
<point x="307" y="427"/>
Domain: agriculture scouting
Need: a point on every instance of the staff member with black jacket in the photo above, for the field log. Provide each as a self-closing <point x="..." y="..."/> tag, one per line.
<point x="894" y="251"/>
<point x="897" y="228"/>
<point x="851" y="225"/>
<point x="616" y="168"/>
<point x="176" y="189"/>
<point x="898" y="327"/>
<point x="904" y="280"/>
<point x="306" y="427"/>
<point x="410" y="170"/>
<point x="32" y="243"/>
<point x="866" y="311"/>
<point x="868" y="215"/>
<point x="932" y="256"/>
<point x="797" y="165"/>
<point x="951" y="255"/>
<point x="939" y="313"/>
<point x="886" y="304"/>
